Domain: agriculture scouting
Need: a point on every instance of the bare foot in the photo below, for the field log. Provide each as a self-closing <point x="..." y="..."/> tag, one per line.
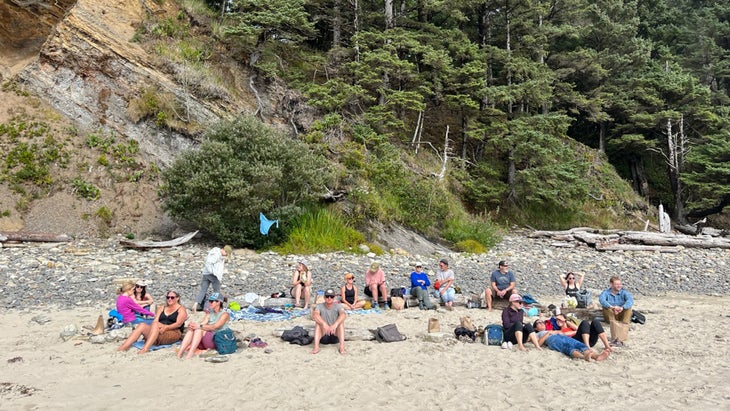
<point x="315" y="350"/>
<point x="142" y="351"/>
<point x="522" y="348"/>
<point x="342" y="351"/>
<point x="588" y="354"/>
<point x="603" y="355"/>
<point x="490" y="309"/>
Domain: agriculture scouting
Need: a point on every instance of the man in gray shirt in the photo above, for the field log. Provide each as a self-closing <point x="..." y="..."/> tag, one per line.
<point x="329" y="323"/>
<point x="501" y="284"/>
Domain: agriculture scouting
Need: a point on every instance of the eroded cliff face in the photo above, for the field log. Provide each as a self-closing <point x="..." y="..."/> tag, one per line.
<point x="90" y="71"/>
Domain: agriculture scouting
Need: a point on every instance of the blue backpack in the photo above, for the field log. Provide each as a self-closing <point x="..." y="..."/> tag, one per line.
<point x="493" y="334"/>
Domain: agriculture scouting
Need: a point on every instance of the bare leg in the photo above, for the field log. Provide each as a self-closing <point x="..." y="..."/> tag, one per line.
<point x="588" y="354"/>
<point x="534" y="340"/>
<point x="317" y="337"/>
<point x="383" y="292"/>
<point x="185" y="343"/>
<point x="297" y="294"/>
<point x="307" y="296"/>
<point x="341" y="337"/>
<point x="142" y="329"/>
<point x="604" y="340"/>
<point x="197" y="336"/>
<point x="488" y="294"/>
<point x="577" y="354"/>
<point x="518" y="336"/>
<point x="603" y="355"/>
<point x="374" y="292"/>
<point x="150" y="338"/>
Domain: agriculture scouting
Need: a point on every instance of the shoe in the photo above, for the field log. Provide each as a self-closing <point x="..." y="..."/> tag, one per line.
<point x="504" y="346"/>
<point x="421" y="306"/>
<point x="374" y="306"/>
<point x="386" y="306"/>
<point x="509" y="345"/>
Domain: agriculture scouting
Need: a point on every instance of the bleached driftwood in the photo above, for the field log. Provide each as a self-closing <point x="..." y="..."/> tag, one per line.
<point x="675" y="240"/>
<point x="33" y="237"/>
<point x="637" y="247"/>
<point x="158" y="244"/>
<point x="631" y="240"/>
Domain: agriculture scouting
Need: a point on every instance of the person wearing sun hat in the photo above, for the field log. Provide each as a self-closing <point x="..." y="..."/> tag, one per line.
<point x="375" y="284"/>
<point x="348" y="294"/>
<point x="419" y="288"/>
<point x="515" y="331"/>
<point x="301" y="283"/>
<point x="329" y="322"/>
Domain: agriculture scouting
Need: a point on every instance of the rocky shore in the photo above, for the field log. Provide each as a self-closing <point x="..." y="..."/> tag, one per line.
<point x="85" y="273"/>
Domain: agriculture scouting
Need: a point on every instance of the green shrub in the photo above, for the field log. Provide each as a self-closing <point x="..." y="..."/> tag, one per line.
<point x="105" y="214"/>
<point x="321" y="231"/>
<point x="471" y="246"/>
<point x="463" y="228"/>
<point x="242" y="168"/>
<point x="85" y="190"/>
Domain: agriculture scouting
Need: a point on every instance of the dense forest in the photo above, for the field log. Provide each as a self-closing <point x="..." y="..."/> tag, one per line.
<point x="504" y="88"/>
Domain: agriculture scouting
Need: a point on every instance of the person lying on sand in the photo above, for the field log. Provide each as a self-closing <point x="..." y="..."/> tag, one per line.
<point x="557" y="341"/>
<point x="329" y="323"/>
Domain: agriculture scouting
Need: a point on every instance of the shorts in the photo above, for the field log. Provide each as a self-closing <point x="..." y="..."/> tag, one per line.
<point x="329" y="339"/>
<point x="506" y="295"/>
<point x="369" y="292"/>
<point x="168" y="337"/>
<point x="140" y="320"/>
<point x="206" y="343"/>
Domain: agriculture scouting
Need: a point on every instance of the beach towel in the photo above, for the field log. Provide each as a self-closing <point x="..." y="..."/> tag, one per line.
<point x="140" y="344"/>
<point x="255" y="314"/>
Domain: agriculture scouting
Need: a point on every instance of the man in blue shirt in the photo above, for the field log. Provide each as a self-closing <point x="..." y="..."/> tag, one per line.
<point x="616" y="302"/>
<point x="419" y="288"/>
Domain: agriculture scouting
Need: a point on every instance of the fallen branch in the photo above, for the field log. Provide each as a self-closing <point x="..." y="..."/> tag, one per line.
<point x="34" y="237"/>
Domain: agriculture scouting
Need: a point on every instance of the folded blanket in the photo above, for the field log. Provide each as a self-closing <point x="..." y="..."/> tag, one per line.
<point x="139" y="344"/>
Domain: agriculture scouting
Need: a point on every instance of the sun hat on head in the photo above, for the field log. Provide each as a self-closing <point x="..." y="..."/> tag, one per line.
<point x="374" y="266"/>
<point x="142" y="283"/>
<point x="216" y="297"/>
<point x="304" y="262"/>
<point x="515" y="297"/>
<point x="419" y="264"/>
<point x="329" y="293"/>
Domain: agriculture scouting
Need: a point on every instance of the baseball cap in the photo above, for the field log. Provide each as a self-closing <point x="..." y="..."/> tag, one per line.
<point x="445" y="261"/>
<point x="216" y="297"/>
<point x="515" y="297"/>
<point x="503" y="263"/>
<point x="329" y="293"/>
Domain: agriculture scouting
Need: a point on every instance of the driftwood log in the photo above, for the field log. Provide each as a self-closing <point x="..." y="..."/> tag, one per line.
<point x="33" y="237"/>
<point x="613" y="240"/>
<point x="142" y="245"/>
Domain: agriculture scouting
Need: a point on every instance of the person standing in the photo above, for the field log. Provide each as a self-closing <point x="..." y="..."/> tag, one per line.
<point x="445" y="281"/>
<point x="212" y="274"/>
<point x="375" y="284"/>
<point x="616" y="302"/>
<point x="502" y="284"/>
<point x="329" y="323"/>
<point x="419" y="288"/>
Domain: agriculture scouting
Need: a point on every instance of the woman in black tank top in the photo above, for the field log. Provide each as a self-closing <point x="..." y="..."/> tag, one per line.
<point x="348" y="294"/>
<point x="166" y="329"/>
<point x="570" y="285"/>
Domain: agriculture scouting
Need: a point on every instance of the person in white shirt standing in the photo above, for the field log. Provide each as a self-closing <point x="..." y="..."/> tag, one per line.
<point x="212" y="274"/>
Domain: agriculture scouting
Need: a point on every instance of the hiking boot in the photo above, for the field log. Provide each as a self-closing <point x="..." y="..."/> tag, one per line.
<point x="421" y="306"/>
<point x="374" y="306"/>
<point x="386" y="306"/>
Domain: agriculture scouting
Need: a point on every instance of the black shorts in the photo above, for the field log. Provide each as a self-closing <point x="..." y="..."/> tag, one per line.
<point x="329" y="339"/>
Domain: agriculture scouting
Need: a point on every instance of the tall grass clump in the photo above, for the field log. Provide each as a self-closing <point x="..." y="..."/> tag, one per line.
<point x="320" y="231"/>
<point x="465" y="230"/>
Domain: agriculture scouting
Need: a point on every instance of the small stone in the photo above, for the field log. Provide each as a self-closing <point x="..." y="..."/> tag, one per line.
<point x="217" y="359"/>
<point x="268" y="351"/>
<point x="41" y="319"/>
<point x="98" y="339"/>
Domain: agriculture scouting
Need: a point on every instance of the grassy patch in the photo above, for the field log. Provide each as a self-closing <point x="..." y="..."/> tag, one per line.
<point x="321" y="231"/>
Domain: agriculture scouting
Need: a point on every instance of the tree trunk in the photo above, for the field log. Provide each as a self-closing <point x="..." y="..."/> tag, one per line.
<point x="602" y="137"/>
<point x="336" y="24"/>
<point x="389" y="17"/>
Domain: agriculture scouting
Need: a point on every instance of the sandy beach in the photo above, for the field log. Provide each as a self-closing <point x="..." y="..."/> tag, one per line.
<point x="677" y="360"/>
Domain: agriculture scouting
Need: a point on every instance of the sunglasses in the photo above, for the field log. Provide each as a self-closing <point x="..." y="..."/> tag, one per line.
<point x="139" y="286"/>
<point x="171" y="297"/>
<point x="329" y="296"/>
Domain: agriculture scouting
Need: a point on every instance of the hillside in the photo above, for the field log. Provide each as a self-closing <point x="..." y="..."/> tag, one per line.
<point x="113" y="102"/>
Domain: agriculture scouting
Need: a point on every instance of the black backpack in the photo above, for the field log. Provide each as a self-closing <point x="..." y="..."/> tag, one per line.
<point x="388" y="333"/>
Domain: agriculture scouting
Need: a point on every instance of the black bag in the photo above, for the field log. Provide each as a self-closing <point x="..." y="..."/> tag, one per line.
<point x="225" y="341"/>
<point x="637" y="317"/>
<point x="396" y="292"/>
<point x="465" y="332"/>
<point x="388" y="333"/>
<point x="583" y="298"/>
<point x="297" y="335"/>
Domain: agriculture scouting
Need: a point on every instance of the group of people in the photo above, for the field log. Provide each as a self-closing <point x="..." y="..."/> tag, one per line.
<point x="167" y="325"/>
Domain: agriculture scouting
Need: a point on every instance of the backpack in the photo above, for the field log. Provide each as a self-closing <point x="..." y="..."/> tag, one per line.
<point x="637" y="317"/>
<point x="493" y="334"/>
<point x="583" y="298"/>
<point x="465" y="332"/>
<point x="388" y="333"/>
<point x="225" y="341"/>
<point x="397" y="292"/>
<point x="297" y="335"/>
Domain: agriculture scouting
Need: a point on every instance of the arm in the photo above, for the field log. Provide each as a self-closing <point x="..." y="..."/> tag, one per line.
<point x="182" y="316"/>
<point x="629" y="300"/>
<point x="308" y="283"/>
<point x="603" y="299"/>
<point x="318" y="319"/>
<point x="563" y="283"/>
<point x="295" y="278"/>
<point x="199" y="326"/>
<point x="579" y="283"/>
<point x="136" y="308"/>
<point x="218" y="324"/>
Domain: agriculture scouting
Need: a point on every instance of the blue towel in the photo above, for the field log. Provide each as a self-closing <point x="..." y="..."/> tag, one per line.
<point x="139" y="344"/>
<point x="257" y="314"/>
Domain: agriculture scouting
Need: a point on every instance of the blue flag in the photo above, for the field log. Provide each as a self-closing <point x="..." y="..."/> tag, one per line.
<point x="266" y="224"/>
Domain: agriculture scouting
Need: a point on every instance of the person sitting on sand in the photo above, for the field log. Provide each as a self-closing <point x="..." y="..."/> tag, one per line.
<point x="128" y="309"/>
<point x="167" y="327"/>
<point x="515" y="331"/>
<point x="301" y="282"/>
<point x="616" y="302"/>
<point x="419" y="288"/>
<point x="329" y="323"/>
<point x="557" y="341"/>
<point x="375" y="284"/>
<point x="445" y="281"/>
<point x="141" y="297"/>
<point x="501" y="284"/>
<point x="348" y="294"/>
<point x="570" y="284"/>
<point x="587" y="332"/>
<point x="200" y="335"/>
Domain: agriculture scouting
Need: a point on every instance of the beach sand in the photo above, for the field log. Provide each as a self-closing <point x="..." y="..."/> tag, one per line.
<point x="677" y="360"/>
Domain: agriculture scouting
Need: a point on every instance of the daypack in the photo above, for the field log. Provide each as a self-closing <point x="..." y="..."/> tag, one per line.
<point x="397" y="292"/>
<point x="583" y="298"/>
<point x="388" y="333"/>
<point x="493" y="334"/>
<point x="225" y="341"/>
<point x="638" y="317"/>
<point x="297" y="335"/>
<point x="465" y="332"/>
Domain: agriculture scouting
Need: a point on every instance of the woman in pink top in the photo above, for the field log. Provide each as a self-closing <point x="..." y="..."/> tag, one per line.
<point x="127" y="307"/>
<point x="375" y="283"/>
